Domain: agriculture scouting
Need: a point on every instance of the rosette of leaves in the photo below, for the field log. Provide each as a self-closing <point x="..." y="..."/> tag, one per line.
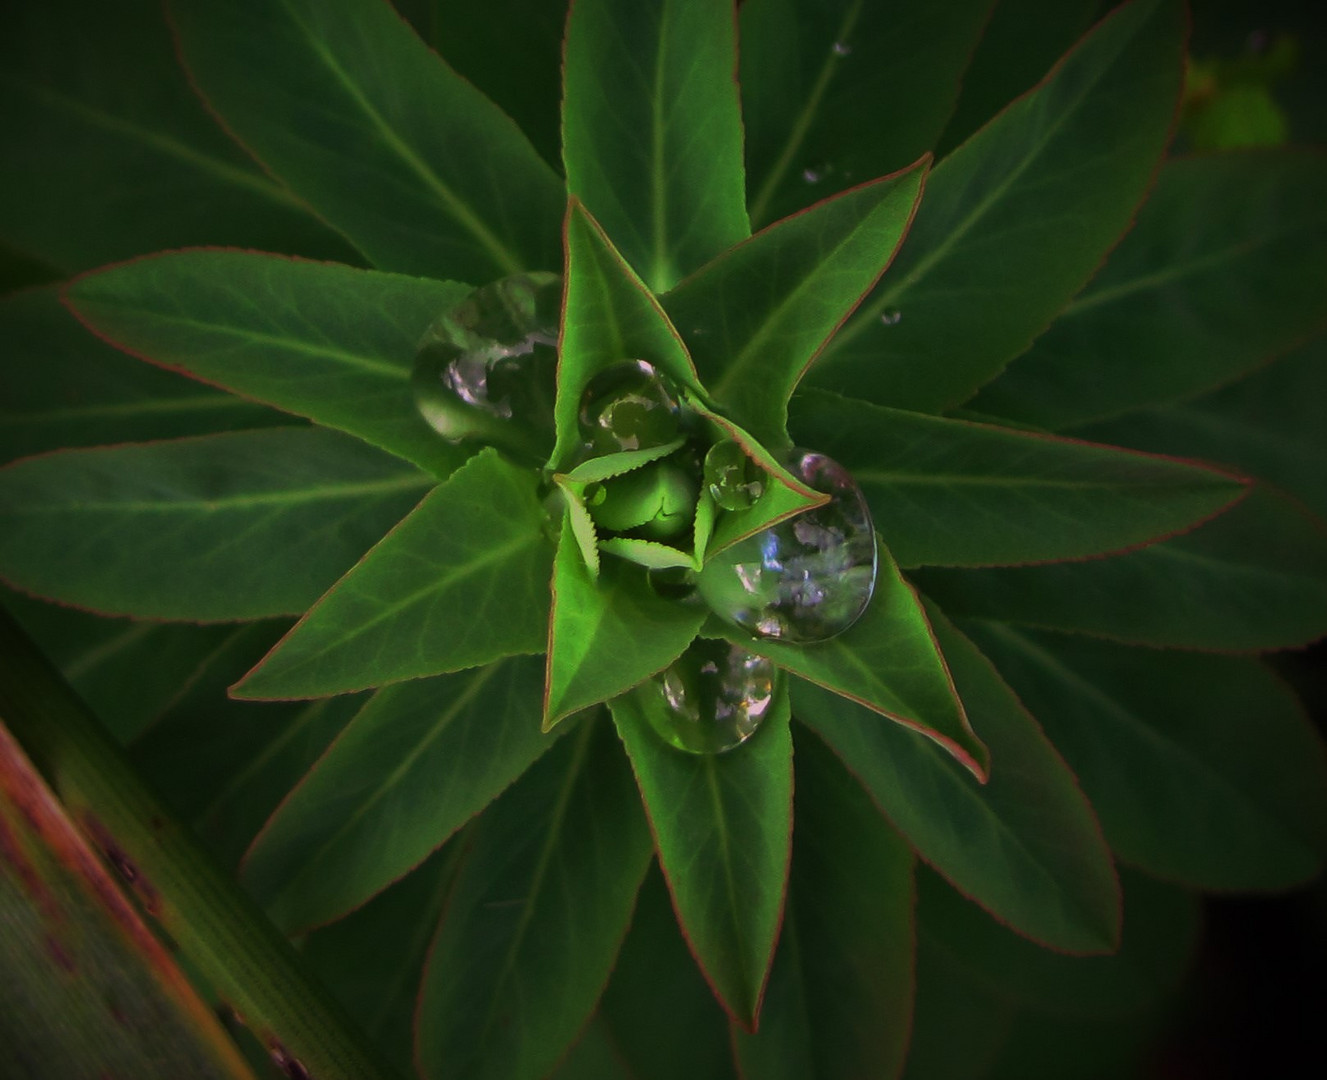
<point x="972" y="275"/>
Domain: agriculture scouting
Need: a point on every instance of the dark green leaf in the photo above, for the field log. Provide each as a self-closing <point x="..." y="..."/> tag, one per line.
<point x="1025" y="845"/>
<point x="1202" y="768"/>
<point x="541" y="903"/>
<point x="757" y="316"/>
<point x="416" y="762"/>
<point x="342" y="101"/>
<point x="463" y="580"/>
<point x="835" y="92"/>
<point x="230" y="526"/>
<point x="839" y="1001"/>
<point x="652" y="130"/>
<point x="951" y="999"/>
<point x="1255" y="578"/>
<point x="110" y="154"/>
<point x="887" y="661"/>
<point x="327" y="342"/>
<point x="594" y="1057"/>
<point x="61" y="387"/>
<point x="1017" y="219"/>
<point x="954" y="493"/>
<point x="1223" y="270"/>
<point x="722" y="824"/>
<point x="1268" y="424"/>
<point x="607" y="634"/>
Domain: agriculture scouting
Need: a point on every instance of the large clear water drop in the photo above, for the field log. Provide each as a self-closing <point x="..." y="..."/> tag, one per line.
<point x="486" y="371"/>
<point x="712" y="698"/>
<point x="805" y="579"/>
<point x="733" y="479"/>
<point x="629" y="406"/>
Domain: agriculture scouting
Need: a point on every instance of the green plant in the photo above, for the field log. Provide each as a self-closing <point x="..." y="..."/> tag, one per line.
<point x="435" y="801"/>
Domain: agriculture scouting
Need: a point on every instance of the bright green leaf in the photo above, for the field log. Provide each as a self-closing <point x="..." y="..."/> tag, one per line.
<point x="327" y="342"/>
<point x="954" y="493"/>
<point x="652" y="130"/>
<point x="230" y="526"/>
<point x="540" y="906"/>
<point x="1025" y="845"/>
<point x="1017" y="219"/>
<point x="722" y="824"/>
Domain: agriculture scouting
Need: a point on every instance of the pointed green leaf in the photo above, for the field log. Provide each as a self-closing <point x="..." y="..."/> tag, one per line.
<point x="722" y="825"/>
<point x="652" y="130"/>
<point x="610" y="465"/>
<point x="837" y="91"/>
<point x="1255" y="578"/>
<point x="230" y="526"/>
<point x="1268" y="424"/>
<point x="647" y="553"/>
<point x="342" y="101"/>
<point x="60" y="387"/>
<point x="596" y="1056"/>
<point x="889" y="662"/>
<point x="607" y="634"/>
<point x="839" y="1002"/>
<point x="610" y="316"/>
<point x="955" y="493"/>
<point x="951" y="998"/>
<point x="1202" y="768"/>
<point x="1017" y="219"/>
<point x="541" y="903"/>
<point x="327" y="342"/>
<point x="757" y="316"/>
<point x="1223" y="270"/>
<point x="390" y="789"/>
<point x="110" y="154"/>
<point x="463" y="580"/>
<point x="1025" y="845"/>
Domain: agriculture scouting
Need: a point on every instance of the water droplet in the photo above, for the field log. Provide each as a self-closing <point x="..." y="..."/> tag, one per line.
<point x="734" y="480"/>
<point x="842" y="48"/>
<point x="807" y="578"/>
<point x="486" y="370"/>
<point x="891" y="318"/>
<point x="712" y="698"/>
<point x="812" y="176"/>
<point x="629" y="406"/>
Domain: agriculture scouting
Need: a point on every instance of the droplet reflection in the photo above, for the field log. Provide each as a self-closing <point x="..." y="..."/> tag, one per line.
<point x="712" y="698"/>
<point x="629" y="406"/>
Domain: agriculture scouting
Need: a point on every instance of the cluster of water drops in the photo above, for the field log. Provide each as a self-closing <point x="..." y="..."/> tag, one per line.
<point x="486" y="372"/>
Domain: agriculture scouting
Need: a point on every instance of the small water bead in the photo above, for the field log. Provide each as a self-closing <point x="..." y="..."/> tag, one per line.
<point x="841" y="48"/>
<point x="712" y="698"/>
<point x="805" y="579"/>
<point x="891" y="318"/>
<point x="629" y="406"/>
<point x="734" y="480"/>
<point x="487" y="370"/>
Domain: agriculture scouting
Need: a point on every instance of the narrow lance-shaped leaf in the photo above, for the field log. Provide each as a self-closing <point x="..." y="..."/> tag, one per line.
<point x="232" y="526"/>
<point x="1017" y="219"/>
<point x="1223" y="271"/>
<point x="954" y="493"/>
<point x="837" y="91"/>
<point x="541" y="904"/>
<point x="331" y="343"/>
<point x="722" y="825"/>
<point x="757" y="316"/>
<point x="460" y="582"/>
<point x="342" y="101"/>
<point x="1025" y="845"/>
<point x="1202" y="768"/>
<point x="652" y="130"/>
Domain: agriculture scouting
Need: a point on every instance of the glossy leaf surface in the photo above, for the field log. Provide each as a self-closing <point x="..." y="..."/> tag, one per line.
<point x="1223" y="271"/>
<point x="342" y="101"/>
<point x="1255" y="578"/>
<point x="1202" y="768"/>
<point x="1025" y="845"/>
<point x="541" y="903"/>
<point x="392" y="788"/>
<point x="722" y="825"/>
<point x="652" y="130"/>
<point x="1017" y="219"/>
<point x="757" y="316"/>
<point x="230" y="526"/>
<point x="475" y="546"/>
<point x="834" y="93"/>
<point x="327" y="342"/>
<point x="954" y="493"/>
<point x="839" y="1002"/>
